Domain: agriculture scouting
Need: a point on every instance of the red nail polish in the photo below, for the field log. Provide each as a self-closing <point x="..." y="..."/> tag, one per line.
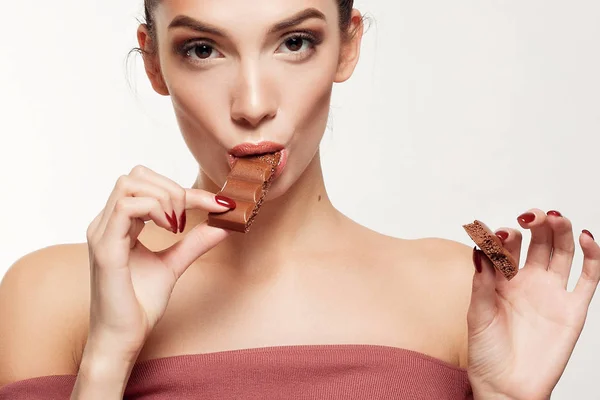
<point x="174" y="218"/>
<point x="477" y="260"/>
<point x="527" y="218"/>
<point x="503" y="235"/>
<point x="554" y="213"/>
<point x="172" y="222"/>
<point x="588" y="233"/>
<point x="183" y="221"/>
<point x="226" y="202"/>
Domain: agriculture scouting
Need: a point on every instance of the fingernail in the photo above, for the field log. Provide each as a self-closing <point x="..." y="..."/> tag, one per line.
<point x="225" y="201"/>
<point x="554" y="213"/>
<point x="182" y="221"/>
<point x="588" y="233"/>
<point x="527" y="218"/>
<point x="477" y="260"/>
<point x="172" y="222"/>
<point x="174" y="218"/>
<point x="503" y="235"/>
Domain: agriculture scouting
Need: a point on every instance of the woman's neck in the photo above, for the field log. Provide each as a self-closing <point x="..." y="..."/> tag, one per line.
<point x="302" y="218"/>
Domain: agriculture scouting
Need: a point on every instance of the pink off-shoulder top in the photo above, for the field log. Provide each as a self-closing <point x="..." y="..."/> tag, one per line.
<point x="333" y="372"/>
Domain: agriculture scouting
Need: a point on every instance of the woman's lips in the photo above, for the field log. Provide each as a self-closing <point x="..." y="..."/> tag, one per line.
<point x="278" y="170"/>
<point x="251" y="149"/>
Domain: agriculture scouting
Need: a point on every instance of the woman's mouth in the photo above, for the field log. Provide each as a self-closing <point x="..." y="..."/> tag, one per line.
<point x="252" y="149"/>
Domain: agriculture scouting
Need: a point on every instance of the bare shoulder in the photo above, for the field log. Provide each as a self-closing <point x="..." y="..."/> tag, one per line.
<point x="435" y="258"/>
<point x="44" y="306"/>
<point x="448" y="256"/>
<point x="446" y="270"/>
<point x="435" y="275"/>
<point x="442" y="268"/>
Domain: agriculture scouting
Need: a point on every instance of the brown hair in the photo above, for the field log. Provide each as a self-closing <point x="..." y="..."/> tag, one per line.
<point x="344" y="7"/>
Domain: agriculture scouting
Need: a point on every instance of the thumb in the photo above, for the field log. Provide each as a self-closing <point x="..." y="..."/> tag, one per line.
<point x="195" y="243"/>
<point x="482" y="309"/>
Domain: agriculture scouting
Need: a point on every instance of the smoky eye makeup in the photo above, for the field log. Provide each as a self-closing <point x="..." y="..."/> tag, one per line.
<point x="297" y="45"/>
<point x="197" y="50"/>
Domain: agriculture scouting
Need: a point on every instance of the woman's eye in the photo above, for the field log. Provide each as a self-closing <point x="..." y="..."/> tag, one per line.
<point x="296" y="44"/>
<point x="201" y="52"/>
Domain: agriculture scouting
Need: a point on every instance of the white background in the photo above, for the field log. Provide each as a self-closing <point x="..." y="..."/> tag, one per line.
<point x="458" y="110"/>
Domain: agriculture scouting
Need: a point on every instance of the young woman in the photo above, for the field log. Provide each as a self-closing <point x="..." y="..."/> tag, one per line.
<point x="309" y="304"/>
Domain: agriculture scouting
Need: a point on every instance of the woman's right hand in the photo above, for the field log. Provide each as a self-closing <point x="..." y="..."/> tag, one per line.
<point x="131" y="285"/>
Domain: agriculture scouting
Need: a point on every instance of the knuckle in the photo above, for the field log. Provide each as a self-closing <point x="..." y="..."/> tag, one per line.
<point x="156" y="207"/>
<point x="122" y="182"/>
<point x="164" y="197"/>
<point x="179" y="194"/>
<point x="90" y="232"/>
<point x="138" y="170"/>
<point x="120" y="206"/>
<point x="591" y="274"/>
<point x="564" y="251"/>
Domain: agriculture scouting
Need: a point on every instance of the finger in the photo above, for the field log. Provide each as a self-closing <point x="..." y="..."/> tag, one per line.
<point x="127" y="186"/>
<point x="540" y="247"/>
<point x="194" y="244"/>
<point x="483" y="308"/>
<point x="176" y="192"/>
<point x="128" y="213"/>
<point x="204" y="200"/>
<point x="563" y="246"/>
<point x="512" y="240"/>
<point x="590" y="273"/>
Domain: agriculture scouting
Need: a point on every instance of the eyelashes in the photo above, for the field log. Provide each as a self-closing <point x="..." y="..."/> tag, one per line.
<point x="198" y="51"/>
<point x="299" y="39"/>
<point x="296" y="46"/>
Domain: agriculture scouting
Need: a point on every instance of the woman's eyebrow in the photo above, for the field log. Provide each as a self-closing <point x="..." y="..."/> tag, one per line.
<point x="183" y="21"/>
<point x="297" y="19"/>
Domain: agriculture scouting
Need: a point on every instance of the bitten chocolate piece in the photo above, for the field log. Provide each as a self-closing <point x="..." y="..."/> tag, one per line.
<point x="247" y="184"/>
<point x="492" y="246"/>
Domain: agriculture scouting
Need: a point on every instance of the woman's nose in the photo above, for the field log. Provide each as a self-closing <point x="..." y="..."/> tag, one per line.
<point x="254" y="98"/>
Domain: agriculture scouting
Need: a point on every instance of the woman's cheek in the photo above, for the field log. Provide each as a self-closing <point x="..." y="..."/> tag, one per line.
<point x="202" y="107"/>
<point x="307" y="88"/>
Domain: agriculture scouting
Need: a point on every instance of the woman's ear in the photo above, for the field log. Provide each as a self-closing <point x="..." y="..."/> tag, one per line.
<point x="151" y="61"/>
<point x="350" y="48"/>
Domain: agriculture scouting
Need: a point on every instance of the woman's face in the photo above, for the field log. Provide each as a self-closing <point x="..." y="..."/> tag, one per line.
<point x="249" y="72"/>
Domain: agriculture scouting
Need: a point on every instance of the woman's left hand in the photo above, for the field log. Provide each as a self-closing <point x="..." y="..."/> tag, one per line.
<point x="522" y="332"/>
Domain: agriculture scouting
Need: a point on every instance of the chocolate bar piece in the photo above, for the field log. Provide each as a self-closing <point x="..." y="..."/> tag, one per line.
<point x="492" y="246"/>
<point x="247" y="184"/>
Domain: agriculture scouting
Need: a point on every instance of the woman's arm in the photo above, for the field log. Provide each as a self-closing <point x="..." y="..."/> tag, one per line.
<point x="43" y="304"/>
<point x="102" y="375"/>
